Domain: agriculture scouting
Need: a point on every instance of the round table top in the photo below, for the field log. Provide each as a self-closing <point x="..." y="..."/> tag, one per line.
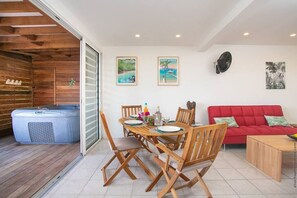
<point x="146" y="130"/>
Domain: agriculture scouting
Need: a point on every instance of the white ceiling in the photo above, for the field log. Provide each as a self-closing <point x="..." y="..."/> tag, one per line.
<point x="201" y="23"/>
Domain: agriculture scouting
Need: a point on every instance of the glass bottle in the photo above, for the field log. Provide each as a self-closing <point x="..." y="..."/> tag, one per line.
<point x="158" y="117"/>
<point x="145" y="110"/>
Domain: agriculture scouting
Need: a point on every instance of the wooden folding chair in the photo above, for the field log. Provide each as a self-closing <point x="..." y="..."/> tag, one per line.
<point x="202" y="146"/>
<point x="124" y="150"/>
<point x="128" y="110"/>
<point x="183" y="116"/>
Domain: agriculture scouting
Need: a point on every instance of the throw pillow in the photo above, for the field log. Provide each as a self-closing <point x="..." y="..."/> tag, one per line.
<point x="230" y="121"/>
<point x="276" y="121"/>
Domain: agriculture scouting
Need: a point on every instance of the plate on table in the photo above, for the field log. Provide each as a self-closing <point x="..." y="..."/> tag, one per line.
<point x="133" y="122"/>
<point x="134" y="116"/>
<point x="294" y="136"/>
<point x="169" y="129"/>
<point x="197" y="124"/>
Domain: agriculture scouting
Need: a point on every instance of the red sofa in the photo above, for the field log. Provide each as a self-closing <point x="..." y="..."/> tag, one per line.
<point x="251" y="121"/>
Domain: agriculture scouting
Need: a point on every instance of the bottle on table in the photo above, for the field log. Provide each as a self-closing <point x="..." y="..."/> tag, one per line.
<point x="145" y="110"/>
<point x="158" y="117"/>
<point x="145" y="113"/>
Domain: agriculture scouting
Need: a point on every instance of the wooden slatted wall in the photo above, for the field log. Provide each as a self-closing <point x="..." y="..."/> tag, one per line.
<point x="43" y="86"/>
<point x="61" y="92"/>
<point x="14" y="96"/>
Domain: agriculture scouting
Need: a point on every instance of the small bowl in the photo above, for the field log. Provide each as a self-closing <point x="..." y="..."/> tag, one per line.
<point x="293" y="137"/>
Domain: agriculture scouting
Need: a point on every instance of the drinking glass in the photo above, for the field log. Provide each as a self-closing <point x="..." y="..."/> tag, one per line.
<point x="166" y="119"/>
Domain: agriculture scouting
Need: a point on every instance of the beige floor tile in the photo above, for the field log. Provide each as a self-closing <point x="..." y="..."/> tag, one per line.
<point x="252" y="196"/>
<point x="94" y="187"/>
<point x="82" y="173"/>
<point x="139" y="187"/>
<point x="119" y="190"/>
<point x="215" y="187"/>
<point x="230" y="173"/>
<point x="281" y="196"/>
<point x="73" y="187"/>
<point x="64" y="196"/>
<point x="90" y="196"/>
<point x="221" y="163"/>
<point x="267" y="186"/>
<point x="252" y="173"/>
<point x="230" y="176"/>
<point x="244" y="187"/>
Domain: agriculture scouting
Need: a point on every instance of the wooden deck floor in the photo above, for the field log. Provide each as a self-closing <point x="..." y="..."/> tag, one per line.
<point x="24" y="169"/>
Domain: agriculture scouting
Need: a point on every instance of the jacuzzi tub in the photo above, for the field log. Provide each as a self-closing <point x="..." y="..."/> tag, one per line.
<point x="47" y="125"/>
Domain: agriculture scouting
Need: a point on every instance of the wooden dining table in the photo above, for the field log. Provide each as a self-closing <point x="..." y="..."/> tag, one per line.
<point x="151" y="134"/>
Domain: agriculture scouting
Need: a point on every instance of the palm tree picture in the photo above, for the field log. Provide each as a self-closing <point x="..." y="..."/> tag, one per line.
<point x="275" y="75"/>
<point x="168" y="70"/>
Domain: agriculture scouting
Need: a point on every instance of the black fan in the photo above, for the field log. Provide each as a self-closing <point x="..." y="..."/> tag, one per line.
<point x="224" y="62"/>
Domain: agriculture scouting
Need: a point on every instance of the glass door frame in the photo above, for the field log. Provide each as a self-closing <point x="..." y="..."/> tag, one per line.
<point x="83" y="45"/>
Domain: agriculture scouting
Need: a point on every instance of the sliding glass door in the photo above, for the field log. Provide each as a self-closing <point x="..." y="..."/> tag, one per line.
<point x="90" y="97"/>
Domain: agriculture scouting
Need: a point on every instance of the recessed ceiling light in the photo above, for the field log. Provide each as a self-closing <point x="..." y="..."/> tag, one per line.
<point x="137" y="35"/>
<point x="246" y="34"/>
<point x="177" y="36"/>
<point x="292" y="35"/>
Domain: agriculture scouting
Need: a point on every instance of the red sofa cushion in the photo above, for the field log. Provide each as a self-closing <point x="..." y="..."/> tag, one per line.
<point x="260" y="130"/>
<point x="245" y="115"/>
<point x="251" y="121"/>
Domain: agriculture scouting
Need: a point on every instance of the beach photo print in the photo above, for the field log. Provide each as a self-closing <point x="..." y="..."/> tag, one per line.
<point x="168" y="70"/>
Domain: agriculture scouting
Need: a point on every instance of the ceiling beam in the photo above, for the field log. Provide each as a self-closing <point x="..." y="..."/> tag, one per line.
<point x="30" y="37"/>
<point x="223" y="23"/>
<point x="37" y="38"/>
<point x="21" y="6"/>
<point x="34" y="30"/>
<point x="6" y="30"/>
<point x="50" y="45"/>
<point x="34" y="20"/>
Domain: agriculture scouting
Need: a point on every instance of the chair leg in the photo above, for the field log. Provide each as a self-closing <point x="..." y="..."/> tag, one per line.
<point x="154" y="182"/>
<point x="195" y="179"/>
<point x="123" y="166"/>
<point x="172" y="190"/>
<point x="144" y="167"/>
<point x="202" y="184"/>
<point x="170" y="183"/>
<point x="105" y="166"/>
<point x="122" y="159"/>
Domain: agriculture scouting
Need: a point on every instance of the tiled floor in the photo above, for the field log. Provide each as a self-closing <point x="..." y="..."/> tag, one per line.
<point x="230" y="176"/>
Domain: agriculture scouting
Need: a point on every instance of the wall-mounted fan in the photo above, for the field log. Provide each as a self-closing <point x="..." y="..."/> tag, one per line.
<point x="224" y="62"/>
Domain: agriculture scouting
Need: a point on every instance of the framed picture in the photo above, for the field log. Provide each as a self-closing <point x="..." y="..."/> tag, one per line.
<point x="126" y="70"/>
<point x="168" y="70"/>
<point x="275" y="75"/>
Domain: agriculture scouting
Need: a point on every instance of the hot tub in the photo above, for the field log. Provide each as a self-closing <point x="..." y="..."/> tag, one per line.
<point x="47" y="125"/>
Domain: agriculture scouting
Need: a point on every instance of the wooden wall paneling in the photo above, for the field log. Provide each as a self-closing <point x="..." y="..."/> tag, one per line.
<point x="66" y="94"/>
<point x="43" y="86"/>
<point x="64" y="71"/>
<point x="14" y="96"/>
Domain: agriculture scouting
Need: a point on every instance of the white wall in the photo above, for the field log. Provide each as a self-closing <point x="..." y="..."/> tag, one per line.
<point x="243" y="83"/>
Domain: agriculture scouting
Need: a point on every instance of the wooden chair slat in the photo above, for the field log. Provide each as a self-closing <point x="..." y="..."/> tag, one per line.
<point x="201" y="148"/>
<point x="130" y="150"/>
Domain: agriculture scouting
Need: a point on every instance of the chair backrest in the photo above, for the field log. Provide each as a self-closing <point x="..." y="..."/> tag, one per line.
<point x="107" y="132"/>
<point x="184" y="115"/>
<point x="128" y="110"/>
<point x="203" y="143"/>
